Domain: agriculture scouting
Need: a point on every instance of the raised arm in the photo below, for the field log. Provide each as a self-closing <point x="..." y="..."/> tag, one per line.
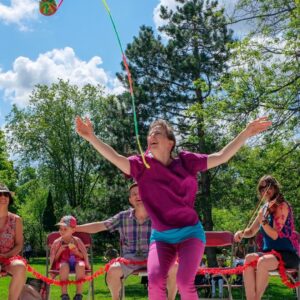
<point x="86" y="131"/>
<point x="253" y="128"/>
<point x="91" y="227"/>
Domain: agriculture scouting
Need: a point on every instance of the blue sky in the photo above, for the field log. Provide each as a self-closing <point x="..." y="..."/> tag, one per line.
<point x="77" y="43"/>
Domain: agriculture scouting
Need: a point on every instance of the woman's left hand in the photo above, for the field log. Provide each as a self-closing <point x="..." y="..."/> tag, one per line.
<point x="260" y="216"/>
<point x="257" y="126"/>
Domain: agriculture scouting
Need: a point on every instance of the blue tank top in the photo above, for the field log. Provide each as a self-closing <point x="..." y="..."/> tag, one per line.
<point x="281" y="243"/>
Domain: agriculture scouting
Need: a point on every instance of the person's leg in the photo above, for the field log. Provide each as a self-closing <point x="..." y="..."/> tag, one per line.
<point x="80" y="272"/>
<point x="265" y="264"/>
<point x="213" y="288"/>
<point x="220" y="284"/>
<point x="190" y="253"/>
<point x="250" y="277"/>
<point x="171" y="282"/>
<point x="161" y="257"/>
<point x="64" y="271"/>
<point x="113" y="279"/>
<point x="18" y="271"/>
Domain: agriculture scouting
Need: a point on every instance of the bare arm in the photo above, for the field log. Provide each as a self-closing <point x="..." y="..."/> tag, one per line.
<point x="280" y="217"/>
<point x="91" y="227"/>
<point x="60" y="251"/>
<point x="86" y="131"/>
<point x="248" y="232"/>
<point x="253" y="128"/>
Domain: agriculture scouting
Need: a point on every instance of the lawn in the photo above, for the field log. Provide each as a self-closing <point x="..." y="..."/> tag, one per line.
<point x="137" y="291"/>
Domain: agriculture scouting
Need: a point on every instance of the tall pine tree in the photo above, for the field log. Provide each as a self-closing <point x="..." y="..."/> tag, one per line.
<point x="174" y="75"/>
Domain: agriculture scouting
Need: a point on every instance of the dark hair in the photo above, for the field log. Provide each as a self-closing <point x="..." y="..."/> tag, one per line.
<point x="168" y="129"/>
<point x="269" y="181"/>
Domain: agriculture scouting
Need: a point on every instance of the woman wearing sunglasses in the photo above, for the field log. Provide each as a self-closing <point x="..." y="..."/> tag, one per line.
<point x="11" y="244"/>
<point x="275" y="221"/>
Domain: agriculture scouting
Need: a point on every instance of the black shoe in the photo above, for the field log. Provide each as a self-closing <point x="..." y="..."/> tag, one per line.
<point x="77" y="297"/>
<point x="65" y="297"/>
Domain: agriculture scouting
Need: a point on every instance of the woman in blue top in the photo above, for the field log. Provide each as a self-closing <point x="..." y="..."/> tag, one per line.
<point x="276" y="223"/>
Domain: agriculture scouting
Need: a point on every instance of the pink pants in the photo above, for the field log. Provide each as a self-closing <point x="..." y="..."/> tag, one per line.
<point x="162" y="256"/>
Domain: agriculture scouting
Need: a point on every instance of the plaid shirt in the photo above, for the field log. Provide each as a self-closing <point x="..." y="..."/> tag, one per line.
<point x="134" y="237"/>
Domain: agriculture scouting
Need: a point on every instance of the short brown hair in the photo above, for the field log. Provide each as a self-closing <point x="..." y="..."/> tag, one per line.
<point x="167" y="127"/>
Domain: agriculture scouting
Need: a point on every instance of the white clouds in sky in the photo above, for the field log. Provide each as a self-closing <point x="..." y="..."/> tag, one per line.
<point x="240" y="29"/>
<point x="19" y="12"/>
<point x="171" y="4"/>
<point x="18" y="83"/>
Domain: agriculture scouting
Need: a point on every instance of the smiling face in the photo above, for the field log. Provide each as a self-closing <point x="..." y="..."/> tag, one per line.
<point x="134" y="197"/>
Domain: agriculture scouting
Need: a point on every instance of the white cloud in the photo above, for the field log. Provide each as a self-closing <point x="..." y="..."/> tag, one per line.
<point x="19" y="12"/>
<point x="18" y="83"/>
<point x="171" y="4"/>
<point x="240" y="29"/>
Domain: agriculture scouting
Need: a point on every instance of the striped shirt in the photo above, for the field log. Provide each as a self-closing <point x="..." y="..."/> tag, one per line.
<point x="134" y="237"/>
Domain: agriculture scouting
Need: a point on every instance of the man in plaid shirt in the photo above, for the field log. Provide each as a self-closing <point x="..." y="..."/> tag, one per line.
<point x="134" y="227"/>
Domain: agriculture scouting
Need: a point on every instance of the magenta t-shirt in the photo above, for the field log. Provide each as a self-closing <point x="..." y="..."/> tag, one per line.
<point x="168" y="192"/>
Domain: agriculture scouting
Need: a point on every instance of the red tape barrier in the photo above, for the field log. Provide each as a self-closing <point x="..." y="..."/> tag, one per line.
<point x="202" y="271"/>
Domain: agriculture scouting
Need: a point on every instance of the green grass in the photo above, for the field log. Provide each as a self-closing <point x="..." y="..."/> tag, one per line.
<point x="135" y="290"/>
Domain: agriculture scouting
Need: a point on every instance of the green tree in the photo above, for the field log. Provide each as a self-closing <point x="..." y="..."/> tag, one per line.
<point x="31" y="201"/>
<point x="49" y="219"/>
<point x="7" y="172"/>
<point x="43" y="134"/>
<point x="182" y="71"/>
<point x="266" y="70"/>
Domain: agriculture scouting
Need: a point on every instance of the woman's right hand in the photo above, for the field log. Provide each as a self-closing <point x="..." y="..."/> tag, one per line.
<point x="84" y="129"/>
<point x="238" y="236"/>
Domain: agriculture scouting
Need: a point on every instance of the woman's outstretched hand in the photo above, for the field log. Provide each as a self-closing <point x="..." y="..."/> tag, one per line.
<point x="257" y="126"/>
<point x="84" y="129"/>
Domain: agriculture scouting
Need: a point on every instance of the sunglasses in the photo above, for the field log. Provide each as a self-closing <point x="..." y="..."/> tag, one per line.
<point x="5" y="194"/>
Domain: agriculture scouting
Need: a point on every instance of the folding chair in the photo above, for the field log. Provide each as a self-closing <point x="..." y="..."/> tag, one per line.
<point x="293" y="274"/>
<point x="141" y="272"/>
<point x="87" y="241"/>
<point x="221" y="239"/>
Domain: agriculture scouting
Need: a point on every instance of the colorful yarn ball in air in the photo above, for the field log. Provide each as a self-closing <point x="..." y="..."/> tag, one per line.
<point x="48" y="7"/>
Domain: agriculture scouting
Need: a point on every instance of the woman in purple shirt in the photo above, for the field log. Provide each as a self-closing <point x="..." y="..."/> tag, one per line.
<point x="168" y="189"/>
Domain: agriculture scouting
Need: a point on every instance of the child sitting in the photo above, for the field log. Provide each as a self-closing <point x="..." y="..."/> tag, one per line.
<point x="68" y="253"/>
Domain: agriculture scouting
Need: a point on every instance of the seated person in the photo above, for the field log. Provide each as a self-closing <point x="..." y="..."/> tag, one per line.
<point x="218" y="278"/>
<point x="134" y="227"/>
<point x="68" y="253"/>
<point x="11" y="243"/>
<point x="27" y="251"/>
<point x="251" y="246"/>
<point x="239" y="255"/>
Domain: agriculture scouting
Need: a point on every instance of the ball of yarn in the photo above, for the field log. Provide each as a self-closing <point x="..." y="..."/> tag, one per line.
<point x="48" y="7"/>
